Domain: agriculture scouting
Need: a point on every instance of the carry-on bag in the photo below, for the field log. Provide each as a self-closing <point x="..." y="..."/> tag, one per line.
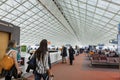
<point x="50" y="77"/>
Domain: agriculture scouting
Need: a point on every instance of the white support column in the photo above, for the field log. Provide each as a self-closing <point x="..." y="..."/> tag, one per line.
<point x="118" y="37"/>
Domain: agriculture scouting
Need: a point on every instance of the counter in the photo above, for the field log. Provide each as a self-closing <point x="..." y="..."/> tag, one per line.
<point x="54" y="56"/>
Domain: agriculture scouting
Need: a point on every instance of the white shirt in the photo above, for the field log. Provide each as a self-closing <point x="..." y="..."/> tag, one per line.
<point x="42" y="66"/>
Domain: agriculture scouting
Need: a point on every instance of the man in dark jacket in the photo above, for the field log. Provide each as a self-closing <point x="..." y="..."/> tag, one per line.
<point x="71" y="55"/>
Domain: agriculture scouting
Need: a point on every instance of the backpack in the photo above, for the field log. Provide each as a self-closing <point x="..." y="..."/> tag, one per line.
<point x="7" y="62"/>
<point x="32" y="62"/>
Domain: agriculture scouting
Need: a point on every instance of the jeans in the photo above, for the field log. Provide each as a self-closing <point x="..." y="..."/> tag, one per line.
<point x="10" y="73"/>
<point x="40" y="76"/>
<point x="8" y="77"/>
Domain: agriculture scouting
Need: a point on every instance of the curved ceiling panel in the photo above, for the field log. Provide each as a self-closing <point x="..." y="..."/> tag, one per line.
<point x="35" y="22"/>
<point x="92" y="21"/>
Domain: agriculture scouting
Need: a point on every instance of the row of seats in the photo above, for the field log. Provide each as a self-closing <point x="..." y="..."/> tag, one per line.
<point x="104" y="59"/>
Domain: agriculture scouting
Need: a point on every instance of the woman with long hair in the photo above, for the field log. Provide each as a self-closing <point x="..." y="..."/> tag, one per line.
<point x="42" y="64"/>
<point x="11" y="51"/>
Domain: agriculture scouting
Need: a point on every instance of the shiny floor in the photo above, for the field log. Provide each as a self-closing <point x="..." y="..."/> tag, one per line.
<point x="82" y="70"/>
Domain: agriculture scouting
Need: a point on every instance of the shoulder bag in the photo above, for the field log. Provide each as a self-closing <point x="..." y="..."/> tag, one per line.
<point x="7" y="62"/>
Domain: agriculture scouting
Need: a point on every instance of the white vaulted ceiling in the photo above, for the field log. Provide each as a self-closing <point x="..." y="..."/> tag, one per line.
<point x="81" y="22"/>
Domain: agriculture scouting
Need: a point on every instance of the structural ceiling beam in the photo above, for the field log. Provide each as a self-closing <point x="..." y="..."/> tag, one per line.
<point x="53" y="9"/>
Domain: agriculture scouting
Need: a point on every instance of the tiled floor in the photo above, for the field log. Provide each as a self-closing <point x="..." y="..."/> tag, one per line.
<point x="26" y="75"/>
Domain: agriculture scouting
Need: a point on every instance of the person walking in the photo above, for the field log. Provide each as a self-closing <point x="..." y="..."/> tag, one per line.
<point x="71" y="55"/>
<point x="64" y="54"/>
<point x="42" y="62"/>
<point x="29" y="58"/>
<point x="15" y="70"/>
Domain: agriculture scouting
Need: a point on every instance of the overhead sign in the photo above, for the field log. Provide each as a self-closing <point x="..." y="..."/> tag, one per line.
<point x="100" y="44"/>
<point x="113" y="41"/>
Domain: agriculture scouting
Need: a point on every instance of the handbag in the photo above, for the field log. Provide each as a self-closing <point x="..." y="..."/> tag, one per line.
<point x="7" y="62"/>
<point x="32" y="62"/>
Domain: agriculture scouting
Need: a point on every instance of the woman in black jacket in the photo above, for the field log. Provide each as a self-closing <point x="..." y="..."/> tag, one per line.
<point x="71" y="55"/>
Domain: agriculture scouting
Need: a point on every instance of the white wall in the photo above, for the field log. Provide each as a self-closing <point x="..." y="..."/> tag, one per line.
<point x="55" y="56"/>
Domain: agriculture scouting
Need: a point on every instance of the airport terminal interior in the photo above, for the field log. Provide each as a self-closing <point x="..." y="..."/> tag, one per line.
<point x="90" y="27"/>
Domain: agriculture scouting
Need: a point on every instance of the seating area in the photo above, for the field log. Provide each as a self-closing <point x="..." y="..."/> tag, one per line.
<point x="102" y="59"/>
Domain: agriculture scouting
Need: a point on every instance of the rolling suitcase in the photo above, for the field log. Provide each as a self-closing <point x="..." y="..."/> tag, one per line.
<point x="50" y="78"/>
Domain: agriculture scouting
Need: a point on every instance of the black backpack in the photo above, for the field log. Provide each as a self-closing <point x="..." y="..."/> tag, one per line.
<point x="32" y="62"/>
